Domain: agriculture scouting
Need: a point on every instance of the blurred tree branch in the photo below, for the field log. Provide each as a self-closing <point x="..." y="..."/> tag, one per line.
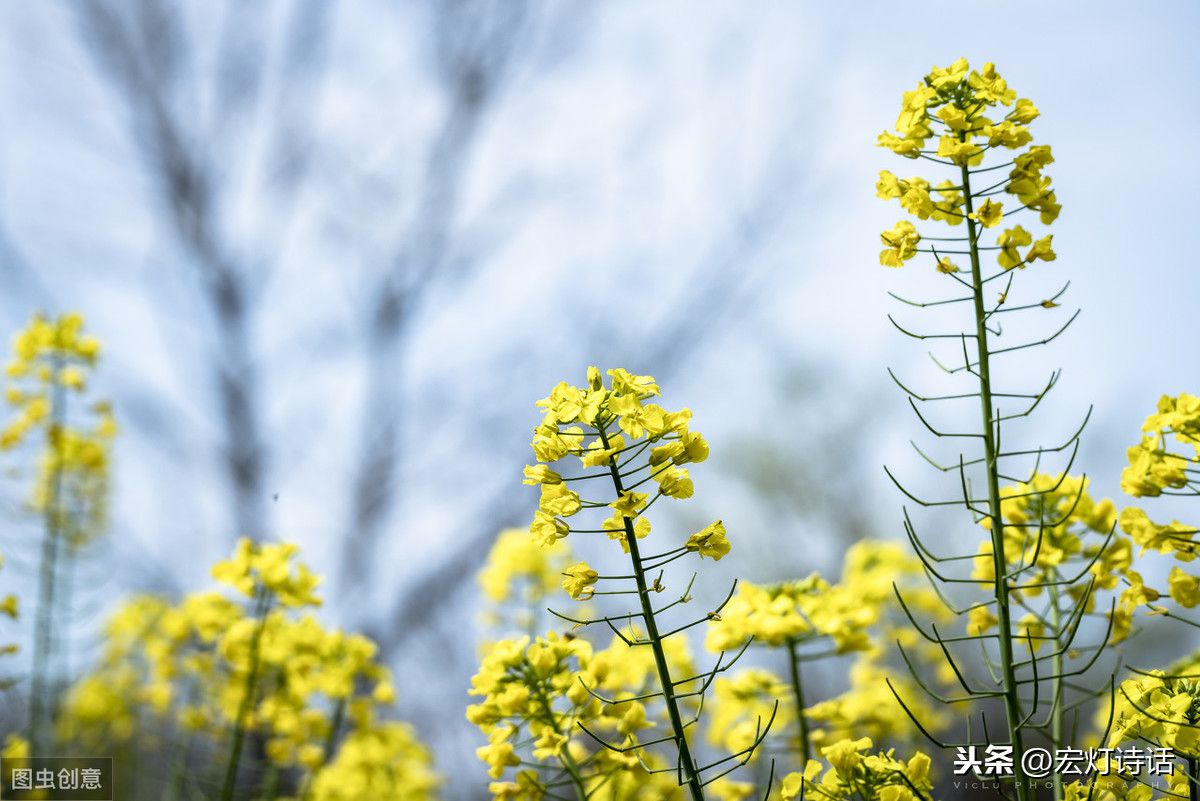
<point x="153" y="61"/>
<point x="475" y="44"/>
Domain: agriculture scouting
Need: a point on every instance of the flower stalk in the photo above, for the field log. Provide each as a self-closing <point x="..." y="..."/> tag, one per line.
<point x="69" y="492"/>
<point x="262" y="606"/>
<point x="42" y="718"/>
<point x="1001" y="588"/>
<point x="798" y="693"/>
<point x="957" y="99"/>
<point x="642" y="449"/>
<point x="687" y="767"/>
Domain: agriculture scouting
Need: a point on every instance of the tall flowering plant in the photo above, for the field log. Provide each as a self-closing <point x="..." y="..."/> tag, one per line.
<point x="46" y="387"/>
<point x="580" y="711"/>
<point x="1155" y="706"/>
<point x="1049" y="549"/>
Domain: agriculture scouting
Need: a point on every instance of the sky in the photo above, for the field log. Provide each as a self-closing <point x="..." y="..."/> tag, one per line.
<point x="633" y="143"/>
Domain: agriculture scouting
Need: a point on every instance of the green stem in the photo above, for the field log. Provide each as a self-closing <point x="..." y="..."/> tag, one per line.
<point x="339" y="712"/>
<point x="568" y="761"/>
<point x="687" y="767"/>
<point x="271" y="785"/>
<point x="126" y="762"/>
<point x="1056" y="711"/>
<point x="1193" y="780"/>
<point x="62" y="641"/>
<point x="181" y="748"/>
<point x="798" y="691"/>
<point x="43" y="641"/>
<point x="572" y="767"/>
<point x="239" y="726"/>
<point x="1000" y="584"/>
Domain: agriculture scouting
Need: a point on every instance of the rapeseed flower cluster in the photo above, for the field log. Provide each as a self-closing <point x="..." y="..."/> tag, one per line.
<point x="954" y="100"/>
<point x="1049" y="523"/>
<point x="869" y="707"/>
<point x="1155" y="470"/>
<point x="559" y="701"/>
<point x="211" y="664"/>
<point x="47" y="355"/>
<point x="856" y="773"/>
<point x="1159" y="707"/>
<point x="269" y="569"/>
<point x="547" y="701"/>
<point x="1111" y="786"/>
<point x="50" y="364"/>
<point x="593" y="423"/>
<point x="811" y="619"/>
<point x="793" y="611"/>
<point x="812" y="608"/>
<point x="543" y="699"/>
<point x="518" y="578"/>
<point x="1162" y="707"/>
<point x="519" y="569"/>
<point x="742" y="702"/>
<point x="1152" y="468"/>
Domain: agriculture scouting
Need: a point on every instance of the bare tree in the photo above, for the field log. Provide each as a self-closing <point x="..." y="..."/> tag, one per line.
<point x="194" y="152"/>
<point x="475" y="45"/>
